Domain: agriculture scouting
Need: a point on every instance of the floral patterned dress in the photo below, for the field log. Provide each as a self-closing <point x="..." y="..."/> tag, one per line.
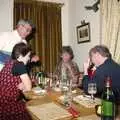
<point x="71" y="74"/>
<point x="11" y="106"/>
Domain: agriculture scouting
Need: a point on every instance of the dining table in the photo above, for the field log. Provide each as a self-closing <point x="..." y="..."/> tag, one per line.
<point x="51" y="97"/>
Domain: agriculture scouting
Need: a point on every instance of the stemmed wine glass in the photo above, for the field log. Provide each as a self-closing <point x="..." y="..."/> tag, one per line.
<point x="34" y="79"/>
<point x="92" y="89"/>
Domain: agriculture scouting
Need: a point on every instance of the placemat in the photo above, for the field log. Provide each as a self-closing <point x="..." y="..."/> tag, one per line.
<point x="92" y="117"/>
<point x="49" y="111"/>
<point x="89" y="117"/>
<point x="86" y="101"/>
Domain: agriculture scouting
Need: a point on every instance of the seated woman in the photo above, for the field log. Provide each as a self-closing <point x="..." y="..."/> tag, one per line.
<point x="13" y="80"/>
<point x="67" y="69"/>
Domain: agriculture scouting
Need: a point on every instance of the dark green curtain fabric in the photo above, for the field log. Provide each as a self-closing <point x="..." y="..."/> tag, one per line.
<point x="47" y="40"/>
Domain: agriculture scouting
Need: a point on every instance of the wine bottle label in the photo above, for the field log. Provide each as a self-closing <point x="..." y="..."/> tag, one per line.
<point x="107" y="108"/>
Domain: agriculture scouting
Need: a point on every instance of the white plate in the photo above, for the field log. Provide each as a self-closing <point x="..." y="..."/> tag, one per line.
<point x="57" y="89"/>
<point x="38" y="90"/>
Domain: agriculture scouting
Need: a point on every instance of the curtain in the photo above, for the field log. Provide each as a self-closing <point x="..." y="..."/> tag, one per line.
<point x="47" y="39"/>
<point x="110" y="22"/>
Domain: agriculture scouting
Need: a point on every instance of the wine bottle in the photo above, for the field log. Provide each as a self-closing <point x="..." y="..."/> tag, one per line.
<point x="108" y="102"/>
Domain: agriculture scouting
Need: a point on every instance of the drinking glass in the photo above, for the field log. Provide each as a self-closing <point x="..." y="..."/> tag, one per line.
<point x="34" y="79"/>
<point x="92" y="89"/>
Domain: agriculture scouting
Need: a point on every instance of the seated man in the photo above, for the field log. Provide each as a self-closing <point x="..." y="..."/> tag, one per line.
<point x="105" y="67"/>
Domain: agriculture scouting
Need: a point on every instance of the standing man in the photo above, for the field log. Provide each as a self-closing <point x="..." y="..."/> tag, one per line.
<point x="9" y="39"/>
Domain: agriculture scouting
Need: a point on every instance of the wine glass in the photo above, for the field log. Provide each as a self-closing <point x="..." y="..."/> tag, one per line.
<point x="33" y="79"/>
<point x="66" y="90"/>
<point x="92" y="89"/>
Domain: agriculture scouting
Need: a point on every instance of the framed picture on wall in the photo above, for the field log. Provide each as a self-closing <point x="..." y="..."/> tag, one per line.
<point x="83" y="33"/>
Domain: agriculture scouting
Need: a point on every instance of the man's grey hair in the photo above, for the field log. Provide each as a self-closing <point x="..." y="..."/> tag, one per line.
<point x="24" y="22"/>
<point x="102" y="50"/>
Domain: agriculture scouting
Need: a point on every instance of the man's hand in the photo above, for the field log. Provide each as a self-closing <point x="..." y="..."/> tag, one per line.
<point x="86" y="66"/>
<point x="35" y="58"/>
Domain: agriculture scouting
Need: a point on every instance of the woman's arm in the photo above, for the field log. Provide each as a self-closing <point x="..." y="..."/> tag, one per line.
<point x="19" y="69"/>
<point x="27" y="85"/>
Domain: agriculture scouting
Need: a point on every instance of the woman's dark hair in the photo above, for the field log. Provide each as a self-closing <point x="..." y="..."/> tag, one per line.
<point x="102" y="50"/>
<point x="67" y="49"/>
<point x="20" y="49"/>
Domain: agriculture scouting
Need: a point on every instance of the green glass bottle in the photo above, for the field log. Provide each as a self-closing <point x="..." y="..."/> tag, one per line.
<point x="40" y="77"/>
<point x="108" y="102"/>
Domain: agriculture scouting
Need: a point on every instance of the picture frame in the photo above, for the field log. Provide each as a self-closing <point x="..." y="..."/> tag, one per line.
<point x="83" y="33"/>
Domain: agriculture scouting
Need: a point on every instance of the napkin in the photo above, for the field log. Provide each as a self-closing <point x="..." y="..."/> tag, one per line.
<point x="49" y="111"/>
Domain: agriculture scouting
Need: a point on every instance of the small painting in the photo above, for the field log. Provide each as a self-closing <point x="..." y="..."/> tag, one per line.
<point x="83" y="33"/>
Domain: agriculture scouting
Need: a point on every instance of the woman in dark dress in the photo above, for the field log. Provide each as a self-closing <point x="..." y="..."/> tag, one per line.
<point x="14" y="80"/>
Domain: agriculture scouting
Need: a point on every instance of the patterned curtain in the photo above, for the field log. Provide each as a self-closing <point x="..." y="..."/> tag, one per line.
<point x="110" y="22"/>
<point x="47" y="39"/>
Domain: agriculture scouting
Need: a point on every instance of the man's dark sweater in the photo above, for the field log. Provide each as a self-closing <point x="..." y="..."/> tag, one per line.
<point x="108" y="68"/>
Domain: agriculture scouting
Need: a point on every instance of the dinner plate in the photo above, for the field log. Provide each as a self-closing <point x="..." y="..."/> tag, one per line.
<point x="57" y="89"/>
<point x="38" y="90"/>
